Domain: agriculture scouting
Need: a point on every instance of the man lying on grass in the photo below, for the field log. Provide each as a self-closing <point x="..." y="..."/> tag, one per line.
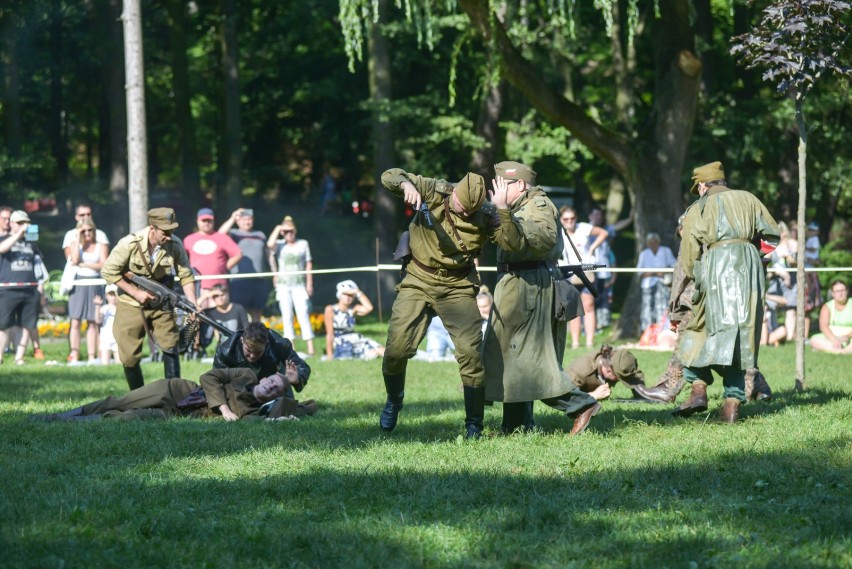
<point x="233" y="394"/>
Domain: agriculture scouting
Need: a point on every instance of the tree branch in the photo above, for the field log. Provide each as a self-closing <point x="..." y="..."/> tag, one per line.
<point x="603" y="142"/>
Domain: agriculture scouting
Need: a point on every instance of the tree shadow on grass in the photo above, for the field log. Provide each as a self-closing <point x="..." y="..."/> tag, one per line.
<point x="707" y="513"/>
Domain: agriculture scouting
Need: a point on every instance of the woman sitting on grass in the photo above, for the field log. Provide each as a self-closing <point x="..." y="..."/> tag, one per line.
<point x="835" y="322"/>
<point x="341" y="340"/>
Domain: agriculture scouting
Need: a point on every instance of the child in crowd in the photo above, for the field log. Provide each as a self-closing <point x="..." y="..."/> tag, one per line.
<point x="106" y="318"/>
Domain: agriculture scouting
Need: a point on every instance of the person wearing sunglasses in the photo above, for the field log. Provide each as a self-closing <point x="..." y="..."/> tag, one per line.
<point x="88" y="257"/>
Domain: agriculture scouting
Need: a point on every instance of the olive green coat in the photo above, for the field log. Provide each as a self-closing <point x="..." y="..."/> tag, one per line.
<point x="524" y="345"/>
<point x="718" y="253"/>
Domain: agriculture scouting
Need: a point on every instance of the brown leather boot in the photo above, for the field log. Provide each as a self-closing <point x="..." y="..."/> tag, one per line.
<point x="581" y="421"/>
<point x="760" y="390"/>
<point x="672" y="379"/>
<point x="730" y="410"/>
<point x="658" y="394"/>
<point x="696" y="403"/>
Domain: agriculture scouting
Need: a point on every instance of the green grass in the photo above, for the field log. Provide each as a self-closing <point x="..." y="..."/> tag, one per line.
<point x="639" y="489"/>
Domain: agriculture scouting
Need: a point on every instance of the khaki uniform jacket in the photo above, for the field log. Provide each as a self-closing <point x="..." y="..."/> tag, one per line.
<point x="437" y="246"/>
<point x="719" y="255"/>
<point x="523" y="345"/>
<point x="170" y="259"/>
<point x="231" y="387"/>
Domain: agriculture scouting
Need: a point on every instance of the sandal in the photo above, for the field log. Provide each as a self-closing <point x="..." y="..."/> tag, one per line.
<point x="74" y="356"/>
<point x="38" y="354"/>
<point x="19" y="362"/>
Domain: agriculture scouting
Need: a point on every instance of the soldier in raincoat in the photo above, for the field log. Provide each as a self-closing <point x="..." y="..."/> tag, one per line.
<point x="524" y="344"/>
<point x="719" y="252"/>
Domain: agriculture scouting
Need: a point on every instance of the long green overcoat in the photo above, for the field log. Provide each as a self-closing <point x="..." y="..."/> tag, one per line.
<point x="524" y="345"/>
<point x="718" y="252"/>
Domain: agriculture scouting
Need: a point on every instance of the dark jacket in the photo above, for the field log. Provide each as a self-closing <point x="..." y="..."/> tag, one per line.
<point x="230" y="355"/>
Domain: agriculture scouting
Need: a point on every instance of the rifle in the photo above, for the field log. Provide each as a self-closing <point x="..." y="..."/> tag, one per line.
<point x="580" y="272"/>
<point x="167" y="299"/>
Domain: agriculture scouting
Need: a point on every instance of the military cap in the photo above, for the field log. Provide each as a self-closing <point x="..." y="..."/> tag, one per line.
<point x="162" y="218"/>
<point x="707" y="173"/>
<point x="471" y="192"/>
<point x="515" y="171"/>
<point x="624" y="364"/>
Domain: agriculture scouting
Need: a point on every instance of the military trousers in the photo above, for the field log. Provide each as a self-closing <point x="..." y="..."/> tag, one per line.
<point x="733" y="378"/>
<point x="129" y="331"/>
<point x="162" y="395"/>
<point x="416" y="303"/>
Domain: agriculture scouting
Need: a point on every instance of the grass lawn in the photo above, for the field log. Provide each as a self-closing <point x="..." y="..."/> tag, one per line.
<point x="639" y="489"/>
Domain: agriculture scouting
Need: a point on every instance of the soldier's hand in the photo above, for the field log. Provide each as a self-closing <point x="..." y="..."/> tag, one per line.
<point x="499" y="195"/>
<point x="410" y="195"/>
<point x="142" y="296"/>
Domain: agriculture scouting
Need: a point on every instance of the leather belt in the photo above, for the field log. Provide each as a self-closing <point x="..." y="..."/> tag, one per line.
<point x="460" y="272"/>
<point x="521" y="266"/>
<point x="728" y="242"/>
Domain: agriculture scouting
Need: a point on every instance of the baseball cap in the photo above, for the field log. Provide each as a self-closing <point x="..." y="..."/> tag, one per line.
<point x="205" y="213"/>
<point x="19" y="216"/>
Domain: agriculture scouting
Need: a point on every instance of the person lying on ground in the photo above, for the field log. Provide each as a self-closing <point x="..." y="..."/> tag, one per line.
<point x="231" y="393"/>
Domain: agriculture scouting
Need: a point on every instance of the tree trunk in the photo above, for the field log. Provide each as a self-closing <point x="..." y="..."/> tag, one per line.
<point x="800" y="257"/>
<point x="11" y="87"/>
<point x="486" y="127"/>
<point x="190" y="177"/>
<point x="136" y="135"/>
<point x="233" y="158"/>
<point x="116" y="105"/>
<point x="384" y="212"/>
<point x="56" y="116"/>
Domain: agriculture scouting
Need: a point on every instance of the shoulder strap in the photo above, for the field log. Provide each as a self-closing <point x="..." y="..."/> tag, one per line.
<point x="571" y="242"/>
<point x="145" y="258"/>
<point x="449" y="217"/>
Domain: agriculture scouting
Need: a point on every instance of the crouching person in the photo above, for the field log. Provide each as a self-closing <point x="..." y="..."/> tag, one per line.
<point x="232" y="393"/>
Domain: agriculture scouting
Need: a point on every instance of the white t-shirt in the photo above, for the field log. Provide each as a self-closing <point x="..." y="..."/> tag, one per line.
<point x="581" y="237"/>
<point x="293" y="257"/>
<point x="663" y="259"/>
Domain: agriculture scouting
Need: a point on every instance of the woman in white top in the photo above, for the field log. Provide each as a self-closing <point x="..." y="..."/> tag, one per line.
<point x="292" y="291"/>
<point x="88" y="256"/>
<point x="587" y="238"/>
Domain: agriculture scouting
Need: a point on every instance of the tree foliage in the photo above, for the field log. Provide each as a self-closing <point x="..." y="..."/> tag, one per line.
<point x="796" y="42"/>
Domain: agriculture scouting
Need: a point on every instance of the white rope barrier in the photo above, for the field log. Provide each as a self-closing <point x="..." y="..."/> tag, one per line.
<point x="393" y="267"/>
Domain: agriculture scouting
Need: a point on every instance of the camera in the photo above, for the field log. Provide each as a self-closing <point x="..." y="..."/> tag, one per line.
<point x="31" y="234"/>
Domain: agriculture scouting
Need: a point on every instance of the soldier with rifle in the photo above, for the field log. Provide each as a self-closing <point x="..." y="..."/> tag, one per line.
<point x="155" y="254"/>
<point x="525" y="339"/>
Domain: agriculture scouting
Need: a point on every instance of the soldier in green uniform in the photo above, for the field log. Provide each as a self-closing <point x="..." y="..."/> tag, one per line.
<point x="719" y="252"/>
<point x="524" y="343"/>
<point x="154" y="253"/>
<point x="446" y="234"/>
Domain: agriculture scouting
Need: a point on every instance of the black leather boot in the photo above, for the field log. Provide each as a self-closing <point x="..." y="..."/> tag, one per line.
<point x="171" y="365"/>
<point x="395" y="387"/>
<point x="474" y="411"/>
<point x="517" y="417"/>
<point x="134" y="378"/>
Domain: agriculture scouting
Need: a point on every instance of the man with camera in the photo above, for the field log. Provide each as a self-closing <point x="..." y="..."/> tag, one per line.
<point x="157" y="254"/>
<point x="20" y="298"/>
<point x="251" y="293"/>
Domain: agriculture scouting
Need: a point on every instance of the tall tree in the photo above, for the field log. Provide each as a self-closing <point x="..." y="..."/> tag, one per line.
<point x="190" y="177"/>
<point x="796" y="43"/>
<point x="232" y="160"/>
<point x="383" y="149"/>
<point x="115" y="167"/>
<point x="137" y="152"/>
